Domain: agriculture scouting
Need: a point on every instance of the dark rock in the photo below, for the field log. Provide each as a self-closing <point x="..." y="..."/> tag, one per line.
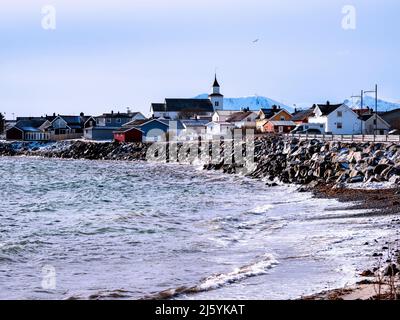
<point x="367" y="273"/>
<point x="391" y="270"/>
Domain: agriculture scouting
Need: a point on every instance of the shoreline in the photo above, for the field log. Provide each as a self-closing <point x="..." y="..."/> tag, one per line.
<point x="375" y="202"/>
<point x="381" y="280"/>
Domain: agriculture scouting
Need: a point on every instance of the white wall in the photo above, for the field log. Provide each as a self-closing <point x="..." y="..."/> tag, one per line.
<point x="369" y="126"/>
<point x="349" y="120"/>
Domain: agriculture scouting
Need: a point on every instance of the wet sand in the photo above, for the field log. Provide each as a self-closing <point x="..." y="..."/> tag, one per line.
<point x="372" y="285"/>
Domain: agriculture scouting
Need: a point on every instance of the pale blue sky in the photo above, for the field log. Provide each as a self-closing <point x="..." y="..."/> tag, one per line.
<point x="107" y="55"/>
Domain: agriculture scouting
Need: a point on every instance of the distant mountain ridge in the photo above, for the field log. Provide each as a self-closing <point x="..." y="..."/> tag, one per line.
<point x="383" y="105"/>
<point x="254" y="103"/>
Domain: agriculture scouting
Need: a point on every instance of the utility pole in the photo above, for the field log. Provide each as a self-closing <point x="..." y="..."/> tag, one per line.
<point x="376" y="106"/>
<point x="361" y="108"/>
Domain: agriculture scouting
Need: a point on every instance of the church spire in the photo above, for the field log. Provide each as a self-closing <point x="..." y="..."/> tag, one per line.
<point x="217" y="99"/>
<point x="216" y="84"/>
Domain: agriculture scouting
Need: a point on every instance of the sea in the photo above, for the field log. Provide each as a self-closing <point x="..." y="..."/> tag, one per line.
<point x="78" y="229"/>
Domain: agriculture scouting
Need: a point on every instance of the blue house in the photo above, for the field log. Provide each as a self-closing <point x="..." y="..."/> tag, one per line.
<point x="157" y="129"/>
<point x="103" y="127"/>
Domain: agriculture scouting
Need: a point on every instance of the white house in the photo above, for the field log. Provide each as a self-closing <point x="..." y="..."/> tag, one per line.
<point x="217" y="129"/>
<point x="243" y="119"/>
<point x="222" y="115"/>
<point x="336" y="118"/>
<point x="374" y="124"/>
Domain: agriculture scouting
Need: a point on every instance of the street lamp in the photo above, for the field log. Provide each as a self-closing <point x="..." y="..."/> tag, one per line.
<point x="361" y="107"/>
<point x="376" y="106"/>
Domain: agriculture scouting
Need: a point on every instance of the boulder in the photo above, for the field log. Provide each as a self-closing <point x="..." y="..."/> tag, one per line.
<point x="380" y="168"/>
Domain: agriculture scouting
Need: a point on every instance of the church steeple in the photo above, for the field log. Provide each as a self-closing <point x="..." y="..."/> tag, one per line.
<point x="216" y="84"/>
<point x="217" y="99"/>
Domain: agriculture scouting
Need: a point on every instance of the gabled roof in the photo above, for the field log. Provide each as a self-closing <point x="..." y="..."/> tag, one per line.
<point x="115" y="115"/>
<point x="194" y="123"/>
<point x="71" y="120"/>
<point x="30" y="125"/>
<point x="327" y="109"/>
<point x="282" y="123"/>
<point x="302" y="115"/>
<point x="165" y="122"/>
<point x="221" y="123"/>
<point x="366" y="117"/>
<point x="178" y="105"/>
<point x="270" y="112"/>
<point x="127" y="129"/>
<point x="239" y="116"/>
<point x="225" y="112"/>
<point x="134" y="123"/>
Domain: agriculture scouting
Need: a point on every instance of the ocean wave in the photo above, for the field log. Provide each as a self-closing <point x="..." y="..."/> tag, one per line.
<point x="261" y="209"/>
<point x="217" y="281"/>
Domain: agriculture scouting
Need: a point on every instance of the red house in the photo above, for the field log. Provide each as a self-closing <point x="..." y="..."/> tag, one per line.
<point x="279" y="126"/>
<point x="130" y="134"/>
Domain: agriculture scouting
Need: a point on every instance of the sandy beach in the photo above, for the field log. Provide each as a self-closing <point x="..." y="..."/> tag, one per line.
<point x="382" y="280"/>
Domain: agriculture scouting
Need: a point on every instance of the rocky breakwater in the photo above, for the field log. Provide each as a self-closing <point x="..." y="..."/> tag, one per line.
<point x="314" y="162"/>
<point x="76" y="150"/>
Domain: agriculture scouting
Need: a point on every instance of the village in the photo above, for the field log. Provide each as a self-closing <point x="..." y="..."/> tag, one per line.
<point x="206" y="118"/>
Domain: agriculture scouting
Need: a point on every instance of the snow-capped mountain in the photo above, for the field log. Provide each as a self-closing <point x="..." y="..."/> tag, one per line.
<point x="254" y="103"/>
<point x="383" y="105"/>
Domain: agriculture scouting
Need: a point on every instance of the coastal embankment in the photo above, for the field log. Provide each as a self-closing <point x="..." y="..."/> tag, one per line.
<point x="276" y="159"/>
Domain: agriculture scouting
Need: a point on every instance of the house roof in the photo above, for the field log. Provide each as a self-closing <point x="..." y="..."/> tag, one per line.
<point x="282" y="123"/>
<point x="366" y="117"/>
<point x="270" y="112"/>
<point x="178" y="105"/>
<point x="134" y="123"/>
<point x="221" y="123"/>
<point x="126" y="129"/>
<point x="302" y="114"/>
<point x="116" y="115"/>
<point x="158" y="107"/>
<point x="30" y="125"/>
<point x="225" y="112"/>
<point x="165" y="122"/>
<point x="327" y="109"/>
<point x="239" y="116"/>
<point x="194" y="123"/>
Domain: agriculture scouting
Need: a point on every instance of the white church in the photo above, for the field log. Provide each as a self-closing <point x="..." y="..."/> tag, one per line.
<point x="175" y="109"/>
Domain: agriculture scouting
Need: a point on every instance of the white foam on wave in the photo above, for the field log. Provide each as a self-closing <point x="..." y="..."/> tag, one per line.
<point x="262" y="209"/>
<point x="258" y="268"/>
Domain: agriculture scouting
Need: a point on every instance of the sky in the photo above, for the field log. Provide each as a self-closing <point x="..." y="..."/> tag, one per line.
<point x="110" y="55"/>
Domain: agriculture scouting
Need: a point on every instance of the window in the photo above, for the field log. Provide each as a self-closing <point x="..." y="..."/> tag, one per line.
<point x="340" y="114"/>
<point x="108" y="120"/>
<point x="374" y="121"/>
<point x="283" y="119"/>
<point x="217" y="103"/>
<point x="118" y="120"/>
<point x="339" y="125"/>
<point x="280" y="129"/>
